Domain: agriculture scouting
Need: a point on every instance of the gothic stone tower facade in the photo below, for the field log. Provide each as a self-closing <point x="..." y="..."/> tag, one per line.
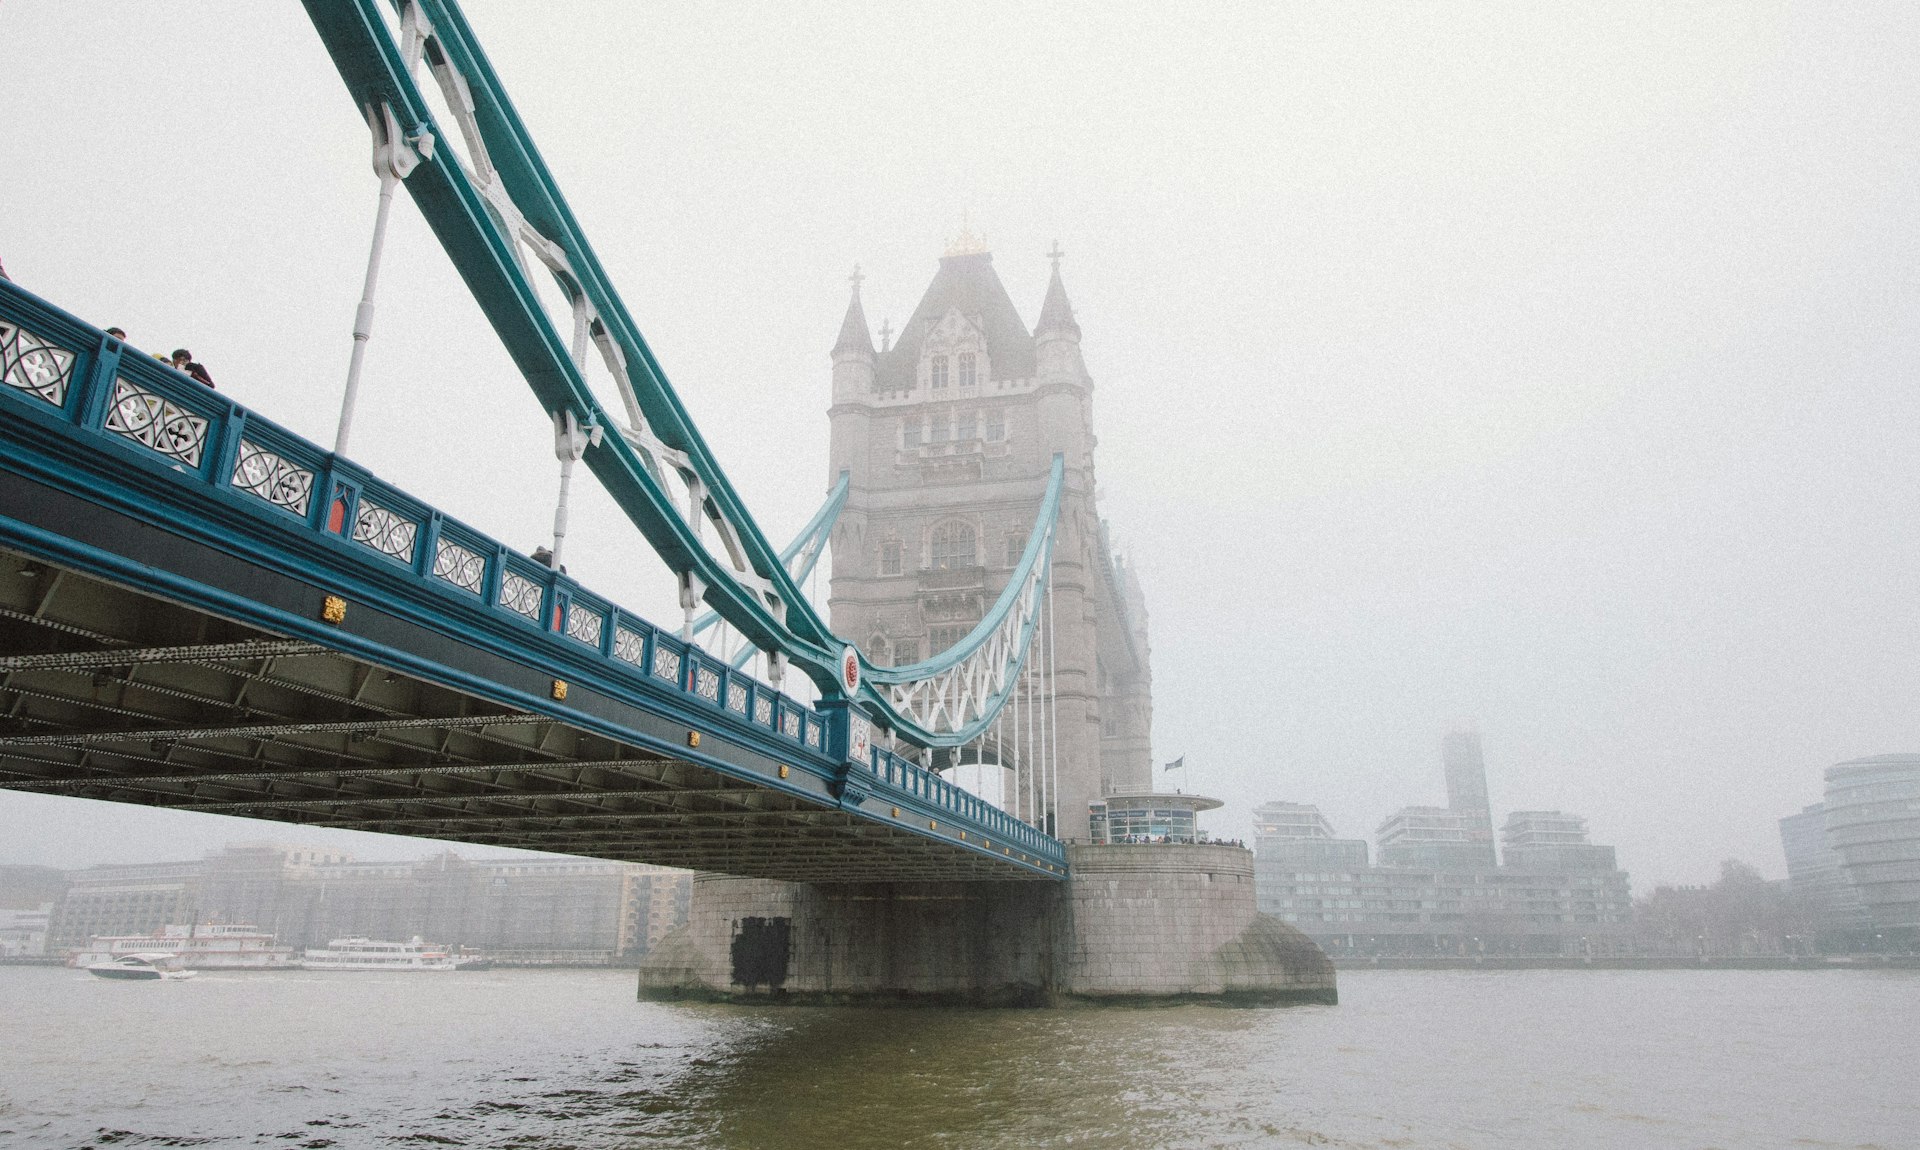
<point x="947" y="437"/>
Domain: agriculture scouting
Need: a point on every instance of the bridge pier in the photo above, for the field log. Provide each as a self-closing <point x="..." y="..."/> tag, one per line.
<point x="1134" y="923"/>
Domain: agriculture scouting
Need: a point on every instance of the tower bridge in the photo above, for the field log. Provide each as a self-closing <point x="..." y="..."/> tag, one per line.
<point x="202" y="610"/>
<point x="199" y="609"/>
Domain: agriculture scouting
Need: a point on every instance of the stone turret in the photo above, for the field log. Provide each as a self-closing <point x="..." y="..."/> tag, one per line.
<point x="853" y="360"/>
<point x="1060" y="375"/>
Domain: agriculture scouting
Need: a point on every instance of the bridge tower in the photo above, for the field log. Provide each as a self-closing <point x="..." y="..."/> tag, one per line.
<point x="947" y="435"/>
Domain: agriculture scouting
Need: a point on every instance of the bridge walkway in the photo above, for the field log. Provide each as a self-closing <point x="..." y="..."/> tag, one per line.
<point x="200" y="610"/>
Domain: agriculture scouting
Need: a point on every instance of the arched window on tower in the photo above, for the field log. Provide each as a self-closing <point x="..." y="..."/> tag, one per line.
<point x="966" y="369"/>
<point x="938" y="368"/>
<point x="890" y="557"/>
<point x="953" y="545"/>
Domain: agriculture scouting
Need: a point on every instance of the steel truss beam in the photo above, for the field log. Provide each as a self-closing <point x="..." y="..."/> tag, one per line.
<point x="135" y="656"/>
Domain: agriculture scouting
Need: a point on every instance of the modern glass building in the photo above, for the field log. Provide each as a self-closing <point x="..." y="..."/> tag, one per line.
<point x="1817" y="877"/>
<point x="1148" y="818"/>
<point x="1872" y="813"/>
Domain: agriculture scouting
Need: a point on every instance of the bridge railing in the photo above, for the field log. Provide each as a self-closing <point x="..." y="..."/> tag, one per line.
<point x="164" y="426"/>
<point x="900" y="776"/>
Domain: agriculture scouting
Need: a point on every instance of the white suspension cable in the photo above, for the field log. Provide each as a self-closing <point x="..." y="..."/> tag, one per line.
<point x="1053" y="699"/>
<point x="1033" y="747"/>
<point x="394" y="158"/>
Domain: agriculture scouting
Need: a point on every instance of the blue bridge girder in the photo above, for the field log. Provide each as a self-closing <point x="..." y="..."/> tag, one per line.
<point x="201" y="610"/>
<point x="499" y="215"/>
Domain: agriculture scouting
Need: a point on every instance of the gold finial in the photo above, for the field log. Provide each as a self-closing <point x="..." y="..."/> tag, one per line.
<point x="966" y="243"/>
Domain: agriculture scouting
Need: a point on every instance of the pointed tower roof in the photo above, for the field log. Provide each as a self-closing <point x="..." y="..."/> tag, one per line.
<point x="967" y="283"/>
<point x="1056" y="314"/>
<point x="854" y="335"/>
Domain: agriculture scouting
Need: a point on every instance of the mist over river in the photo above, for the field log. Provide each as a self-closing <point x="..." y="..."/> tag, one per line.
<point x="541" y="1060"/>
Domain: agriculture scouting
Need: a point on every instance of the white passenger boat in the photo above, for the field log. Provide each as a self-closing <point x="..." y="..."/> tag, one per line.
<point x="150" y="967"/>
<point x="373" y="954"/>
<point x="200" y="946"/>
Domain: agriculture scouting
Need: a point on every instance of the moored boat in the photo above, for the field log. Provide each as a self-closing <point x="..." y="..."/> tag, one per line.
<point x="199" y="946"/>
<point x="376" y="954"/>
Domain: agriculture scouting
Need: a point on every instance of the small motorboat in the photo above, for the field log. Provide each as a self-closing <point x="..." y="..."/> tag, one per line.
<point x="149" y="967"/>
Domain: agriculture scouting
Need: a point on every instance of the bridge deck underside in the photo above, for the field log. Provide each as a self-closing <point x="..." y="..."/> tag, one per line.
<point x="109" y="693"/>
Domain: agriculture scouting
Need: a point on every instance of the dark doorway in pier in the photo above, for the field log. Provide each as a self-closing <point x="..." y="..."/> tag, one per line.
<point x="760" y="953"/>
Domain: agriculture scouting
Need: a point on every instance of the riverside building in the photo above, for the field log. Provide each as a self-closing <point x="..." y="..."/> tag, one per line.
<point x="1855" y="857"/>
<point x="524" y="910"/>
<point x="1438" y="889"/>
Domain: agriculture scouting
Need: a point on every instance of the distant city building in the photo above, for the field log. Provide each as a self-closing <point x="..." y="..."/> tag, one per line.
<point x="527" y="910"/>
<point x="1437" y="888"/>
<point x="1551" y="841"/>
<point x="1432" y="837"/>
<point x="1872" y="814"/>
<point x="136" y="899"/>
<point x="1817" y="879"/>
<point x="1493" y="910"/>
<point x="1290" y="837"/>
<point x="1466" y="771"/>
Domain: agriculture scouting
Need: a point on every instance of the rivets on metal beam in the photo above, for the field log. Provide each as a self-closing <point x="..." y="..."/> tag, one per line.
<point x="783" y="770"/>
<point x="693" y="738"/>
<point x="333" y="610"/>
<point x="559" y="688"/>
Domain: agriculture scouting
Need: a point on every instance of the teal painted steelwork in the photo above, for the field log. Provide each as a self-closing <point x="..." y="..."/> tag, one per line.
<point x="131" y="434"/>
<point x="474" y="232"/>
<point x="807" y="546"/>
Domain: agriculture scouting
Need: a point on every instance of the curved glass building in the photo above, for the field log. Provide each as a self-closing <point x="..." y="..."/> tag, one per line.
<point x="1873" y="824"/>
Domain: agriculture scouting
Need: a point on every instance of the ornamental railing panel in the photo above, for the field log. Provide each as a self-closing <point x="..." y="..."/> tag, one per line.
<point x="157" y="423"/>
<point x="385" y="530"/>
<point x="273" y="477"/>
<point x="34" y="366"/>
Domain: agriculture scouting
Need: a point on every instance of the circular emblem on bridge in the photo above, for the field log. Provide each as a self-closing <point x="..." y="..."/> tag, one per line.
<point x="850" y="669"/>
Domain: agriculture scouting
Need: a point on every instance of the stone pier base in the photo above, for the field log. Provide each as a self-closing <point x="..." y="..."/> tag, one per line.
<point x="1133" y="924"/>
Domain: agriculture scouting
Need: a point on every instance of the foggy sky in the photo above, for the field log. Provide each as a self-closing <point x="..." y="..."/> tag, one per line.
<point x="1549" y="372"/>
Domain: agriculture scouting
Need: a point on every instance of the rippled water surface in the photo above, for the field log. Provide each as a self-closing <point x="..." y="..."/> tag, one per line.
<point x="545" y="1060"/>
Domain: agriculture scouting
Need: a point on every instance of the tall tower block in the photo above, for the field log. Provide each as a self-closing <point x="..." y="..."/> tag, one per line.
<point x="1467" y="786"/>
<point x="948" y="434"/>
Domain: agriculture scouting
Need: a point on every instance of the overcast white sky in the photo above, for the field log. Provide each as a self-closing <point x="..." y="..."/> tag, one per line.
<point x="1548" y="369"/>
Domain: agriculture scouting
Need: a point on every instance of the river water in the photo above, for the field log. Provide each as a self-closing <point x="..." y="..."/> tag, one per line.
<point x="567" y="1059"/>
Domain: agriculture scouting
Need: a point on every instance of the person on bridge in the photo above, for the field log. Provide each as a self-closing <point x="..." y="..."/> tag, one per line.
<point x="183" y="361"/>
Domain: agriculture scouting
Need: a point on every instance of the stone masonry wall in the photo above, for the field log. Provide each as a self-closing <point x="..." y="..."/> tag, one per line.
<point x="1177" y="920"/>
<point x="1134" y="923"/>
